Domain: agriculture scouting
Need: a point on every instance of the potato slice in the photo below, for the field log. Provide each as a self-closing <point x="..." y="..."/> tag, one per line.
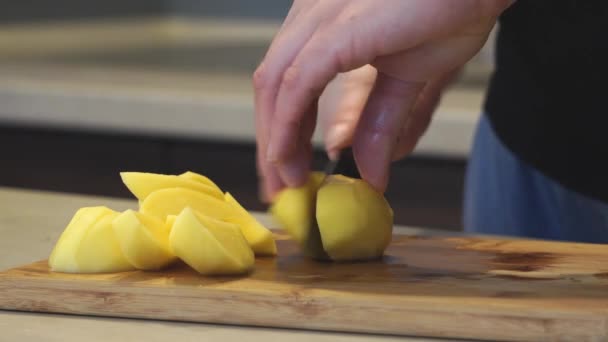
<point x="142" y="184"/>
<point x="144" y="240"/>
<point x="63" y="256"/>
<point x="172" y="201"/>
<point x="259" y="237"/>
<point x="210" y="246"/>
<point x="99" y="251"/>
<point x="199" y="178"/>
<point x="355" y="221"/>
<point x="294" y="209"/>
<point x="170" y="221"/>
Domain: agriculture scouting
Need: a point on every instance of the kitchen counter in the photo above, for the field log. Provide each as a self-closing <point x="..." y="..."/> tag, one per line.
<point x="168" y="78"/>
<point x="30" y="223"/>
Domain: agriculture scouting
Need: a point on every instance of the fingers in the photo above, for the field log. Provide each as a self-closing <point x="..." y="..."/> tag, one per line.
<point x="289" y="42"/>
<point x="269" y="180"/>
<point x="303" y="82"/>
<point x="294" y="170"/>
<point x="376" y="136"/>
<point x="420" y="116"/>
<point x="323" y="38"/>
<point x="341" y="105"/>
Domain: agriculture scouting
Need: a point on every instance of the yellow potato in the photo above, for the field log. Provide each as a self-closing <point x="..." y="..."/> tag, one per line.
<point x="142" y="184"/>
<point x="294" y="211"/>
<point x="144" y="240"/>
<point x="199" y="178"/>
<point x="355" y="220"/>
<point x="63" y="256"/>
<point x="99" y="251"/>
<point x="259" y="237"/>
<point x="210" y="246"/>
<point x="172" y="201"/>
<point x="170" y="221"/>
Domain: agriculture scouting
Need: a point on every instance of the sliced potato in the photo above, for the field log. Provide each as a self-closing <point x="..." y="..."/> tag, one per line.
<point x="144" y="240"/>
<point x="172" y="201"/>
<point x="259" y="237"/>
<point x="210" y="246"/>
<point x="142" y="184"/>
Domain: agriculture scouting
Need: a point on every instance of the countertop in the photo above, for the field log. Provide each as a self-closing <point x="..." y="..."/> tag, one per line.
<point x="168" y="77"/>
<point x="30" y="223"/>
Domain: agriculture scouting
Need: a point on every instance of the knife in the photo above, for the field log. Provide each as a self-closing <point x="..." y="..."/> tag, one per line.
<point x="344" y="164"/>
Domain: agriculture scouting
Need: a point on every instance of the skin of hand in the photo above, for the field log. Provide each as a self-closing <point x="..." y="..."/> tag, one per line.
<point x="343" y="100"/>
<point x="410" y="47"/>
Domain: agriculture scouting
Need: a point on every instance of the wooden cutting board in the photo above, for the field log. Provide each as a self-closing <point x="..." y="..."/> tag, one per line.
<point x="445" y="287"/>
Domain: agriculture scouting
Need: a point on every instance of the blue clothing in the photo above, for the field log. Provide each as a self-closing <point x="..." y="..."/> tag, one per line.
<point x="505" y="196"/>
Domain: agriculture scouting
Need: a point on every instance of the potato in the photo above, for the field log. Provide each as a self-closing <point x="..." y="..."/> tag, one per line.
<point x="199" y="178"/>
<point x="355" y="221"/>
<point x="294" y="211"/>
<point x="63" y="256"/>
<point x="186" y="216"/>
<point x="144" y="240"/>
<point x="172" y="201"/>
<point x="142" y="184"/>
<point x="210" y="246"/>
<point x="89" y="245"/>
<point x="259" y="237"/>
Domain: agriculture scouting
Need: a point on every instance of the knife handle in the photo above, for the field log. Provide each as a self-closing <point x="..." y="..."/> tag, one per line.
<point x="347" y="165"/>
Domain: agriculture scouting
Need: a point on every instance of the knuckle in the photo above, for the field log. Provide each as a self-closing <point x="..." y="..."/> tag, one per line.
<point x="291" y="77"/>
<point x="301" y="84"/>
<point x="260" y="77"/>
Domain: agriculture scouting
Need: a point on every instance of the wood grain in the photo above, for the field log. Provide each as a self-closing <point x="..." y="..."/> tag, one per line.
<point x="442" y="287"/>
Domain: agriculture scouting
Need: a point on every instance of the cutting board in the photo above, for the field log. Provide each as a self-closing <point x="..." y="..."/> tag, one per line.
<point x="428" y="286"/>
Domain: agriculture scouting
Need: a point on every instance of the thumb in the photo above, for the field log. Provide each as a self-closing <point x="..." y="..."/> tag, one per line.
<point x="388" y="105"/>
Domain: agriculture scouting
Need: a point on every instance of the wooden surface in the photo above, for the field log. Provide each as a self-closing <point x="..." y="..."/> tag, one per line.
<point x="31" y="222"/>
<point x="441" y="287"/>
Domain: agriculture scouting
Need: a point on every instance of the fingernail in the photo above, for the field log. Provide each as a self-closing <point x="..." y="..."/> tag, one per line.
<point x="293" y="172"/>
<point x="333" y="154"/>
<point x="336" y="136"/>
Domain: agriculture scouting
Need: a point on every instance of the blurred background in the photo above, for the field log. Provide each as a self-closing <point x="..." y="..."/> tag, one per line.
<point x="92" y="88"/>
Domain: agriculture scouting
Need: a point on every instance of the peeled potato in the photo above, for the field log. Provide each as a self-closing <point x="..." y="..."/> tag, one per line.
<point x="144" y="240"/>
<point x="170" y="221"/>
<point x="259" y="237"/>
<point x="294" y="210"/>
<point x="142" y="184"/>
<point x="199" y="178"/>
<point x="100" y="251"/>
<point x="172" y="201"/>
<point x="63" y="256"/>
<point x="335" y="217"/>
<point x="89" y="245"/>
<point x="210" y="246"/>
<point x="355" y="220"/>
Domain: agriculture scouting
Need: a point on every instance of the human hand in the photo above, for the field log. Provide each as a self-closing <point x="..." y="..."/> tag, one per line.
<point x="343" y="100"/>
<point x="413" y="46"/>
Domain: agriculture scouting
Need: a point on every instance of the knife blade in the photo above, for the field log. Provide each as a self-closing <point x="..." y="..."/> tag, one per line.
<point x="332" y="165"/>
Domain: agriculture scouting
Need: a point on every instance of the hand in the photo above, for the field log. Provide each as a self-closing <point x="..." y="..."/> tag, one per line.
<point x="344" y="98"/>
<point x="412" y="45"/>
